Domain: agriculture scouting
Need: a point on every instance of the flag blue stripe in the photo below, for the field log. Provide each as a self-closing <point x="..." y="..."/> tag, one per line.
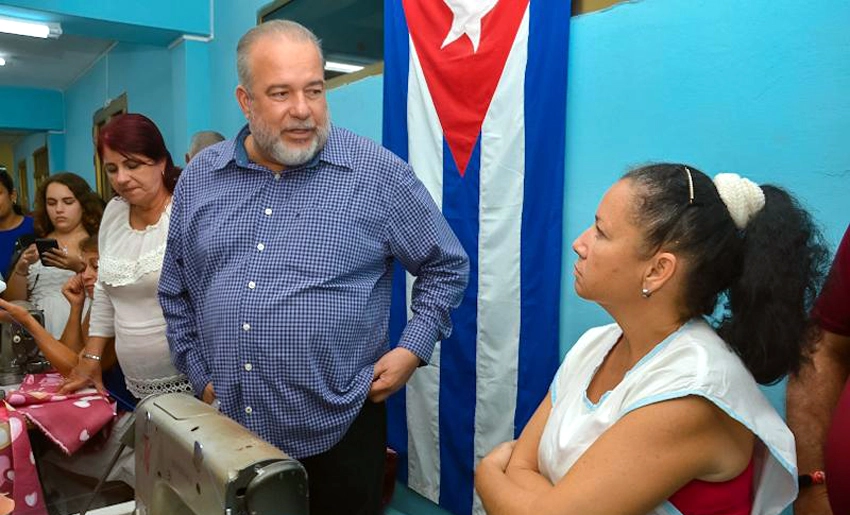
<point x="457" y="354"/>
<point x="542" y="235"/>
<point x="396" y="59"/>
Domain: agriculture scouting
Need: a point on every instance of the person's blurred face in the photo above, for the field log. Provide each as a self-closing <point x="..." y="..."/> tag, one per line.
<point x="610" y="269"/>
<point x="138" y="179"/>
<point x="63" y="208"/>
<point x="286" y="107"/>
<point x="89" y="274"/>
<point x="7" y="201"/>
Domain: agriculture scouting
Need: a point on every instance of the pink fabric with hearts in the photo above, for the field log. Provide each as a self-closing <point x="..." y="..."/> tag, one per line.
<point x="68" y="420"/>
<point x="18" y="475"/>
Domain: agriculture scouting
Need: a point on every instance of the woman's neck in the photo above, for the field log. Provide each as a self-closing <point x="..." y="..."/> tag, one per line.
<point x="72" y="238"/>
<point x="645" y="329"/>
<point x="142" y="216"/>
<point x="10" y="221"/>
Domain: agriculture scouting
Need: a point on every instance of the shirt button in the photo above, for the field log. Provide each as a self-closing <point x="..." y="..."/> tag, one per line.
<point x="260" y="247"/>
<point x="248" y="410"/>
<point x="248" y="367"/>
<point x="252" y="284"/>
<point x="246" y="327"/>
<point x="268" y="211"/>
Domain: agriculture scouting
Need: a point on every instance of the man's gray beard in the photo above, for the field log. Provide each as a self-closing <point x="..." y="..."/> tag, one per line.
<point x="268" y="140"/>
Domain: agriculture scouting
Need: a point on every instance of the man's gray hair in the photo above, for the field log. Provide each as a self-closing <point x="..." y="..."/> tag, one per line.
<point x="290" y="29"/>
<point x="203" y="139"/>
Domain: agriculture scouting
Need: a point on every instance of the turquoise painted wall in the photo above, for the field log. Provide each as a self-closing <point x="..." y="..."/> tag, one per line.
<point x="144" y="72"/>
<point x="348" y="110"/>
<point x="186" y="16"/>
<point x="31" y="109"/>
<point x="56" y="151"/>
<point x="180" y="98"/>
<point x="232" y="19"/>
<point x="191" y="93"/>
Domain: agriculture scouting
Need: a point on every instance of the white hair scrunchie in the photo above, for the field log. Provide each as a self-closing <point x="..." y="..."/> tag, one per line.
<point x="743" y="197"/>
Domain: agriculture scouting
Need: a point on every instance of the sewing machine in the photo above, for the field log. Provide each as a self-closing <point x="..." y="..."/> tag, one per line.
<point x="192" y="460"/>
<point x="19" y="354"/>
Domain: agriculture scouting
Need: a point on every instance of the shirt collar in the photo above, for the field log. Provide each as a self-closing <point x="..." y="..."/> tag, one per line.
<point x="333" y="152"/>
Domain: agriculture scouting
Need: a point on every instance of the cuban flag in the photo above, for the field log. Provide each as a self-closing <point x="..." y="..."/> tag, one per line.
<point x="475" y="101"/>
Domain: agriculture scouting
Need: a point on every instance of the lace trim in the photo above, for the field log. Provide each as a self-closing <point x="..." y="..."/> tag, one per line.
<point x="121" y="272"/>
<point x="141" y="388"/>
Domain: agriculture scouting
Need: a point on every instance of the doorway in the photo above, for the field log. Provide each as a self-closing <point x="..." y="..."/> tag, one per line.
<point x="101" y="118"/>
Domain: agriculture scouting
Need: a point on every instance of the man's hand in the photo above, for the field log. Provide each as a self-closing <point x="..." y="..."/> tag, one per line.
<point x="208" y="394"/>
<point x="391" y="373"/>
<point x="75" y="291"/>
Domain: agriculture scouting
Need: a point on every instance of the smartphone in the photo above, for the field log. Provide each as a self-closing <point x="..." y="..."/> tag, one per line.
<point x="24" y="241"/>
<point x="43" y="245"/>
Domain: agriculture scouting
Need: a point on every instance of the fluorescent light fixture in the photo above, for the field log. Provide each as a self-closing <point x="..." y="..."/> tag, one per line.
<point x="2" y="62"/>
<point x="342" y="67"/>
<point x="30" y="28"/>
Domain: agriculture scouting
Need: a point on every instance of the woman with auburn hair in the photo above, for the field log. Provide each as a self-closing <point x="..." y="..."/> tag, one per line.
<point x="660" y="411"/>
<point x="67" y="210"/>
<point x="125" y="315"/>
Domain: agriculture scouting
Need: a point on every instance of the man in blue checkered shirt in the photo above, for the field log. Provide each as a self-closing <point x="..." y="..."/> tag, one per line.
<point x="277" y="275"/>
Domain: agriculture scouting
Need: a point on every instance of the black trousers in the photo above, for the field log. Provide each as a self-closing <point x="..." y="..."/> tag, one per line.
<point x="347" y="478"/>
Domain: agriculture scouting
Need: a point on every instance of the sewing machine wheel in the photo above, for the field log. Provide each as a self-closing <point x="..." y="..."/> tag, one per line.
<point x="272" y="491"/>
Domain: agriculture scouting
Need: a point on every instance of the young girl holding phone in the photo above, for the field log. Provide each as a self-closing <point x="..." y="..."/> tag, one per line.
<point x="68" y="211"/>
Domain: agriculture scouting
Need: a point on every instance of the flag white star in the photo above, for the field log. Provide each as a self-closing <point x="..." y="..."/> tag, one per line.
<point x="467" y="20"/>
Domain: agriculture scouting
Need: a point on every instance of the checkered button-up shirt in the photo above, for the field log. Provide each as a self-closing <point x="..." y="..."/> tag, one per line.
<point x="276" y="286"/>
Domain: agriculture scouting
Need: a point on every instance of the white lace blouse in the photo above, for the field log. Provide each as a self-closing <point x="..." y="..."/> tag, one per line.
<point x="125" y="301"/>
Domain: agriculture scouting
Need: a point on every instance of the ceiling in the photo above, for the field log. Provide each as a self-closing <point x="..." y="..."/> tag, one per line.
<point x="47" y="63"/>
<point x="44" y="63"/>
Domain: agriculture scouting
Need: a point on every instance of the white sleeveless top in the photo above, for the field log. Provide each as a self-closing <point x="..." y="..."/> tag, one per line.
<point x="691" y="361"/>
<point x="125" y="301"/>
<point x="45" y="286"/>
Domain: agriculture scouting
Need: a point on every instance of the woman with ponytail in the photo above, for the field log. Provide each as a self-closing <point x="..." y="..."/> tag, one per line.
<point x="709" y="283"/>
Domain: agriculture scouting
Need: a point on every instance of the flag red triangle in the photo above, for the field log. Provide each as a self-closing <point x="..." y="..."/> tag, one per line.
<point x="462" y="81"/>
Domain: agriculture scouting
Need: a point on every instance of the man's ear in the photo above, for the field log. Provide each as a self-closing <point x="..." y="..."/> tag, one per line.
<point x="660" y="270"/>
<point x="244" y="99"/>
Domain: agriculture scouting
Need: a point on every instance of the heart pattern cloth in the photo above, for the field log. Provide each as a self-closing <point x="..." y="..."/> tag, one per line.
<point x="18" y="475"/>
<point x="68" y="420"/>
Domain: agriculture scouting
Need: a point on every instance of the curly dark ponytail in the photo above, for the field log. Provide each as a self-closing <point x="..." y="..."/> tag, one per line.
<point x="784" y="261"/>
